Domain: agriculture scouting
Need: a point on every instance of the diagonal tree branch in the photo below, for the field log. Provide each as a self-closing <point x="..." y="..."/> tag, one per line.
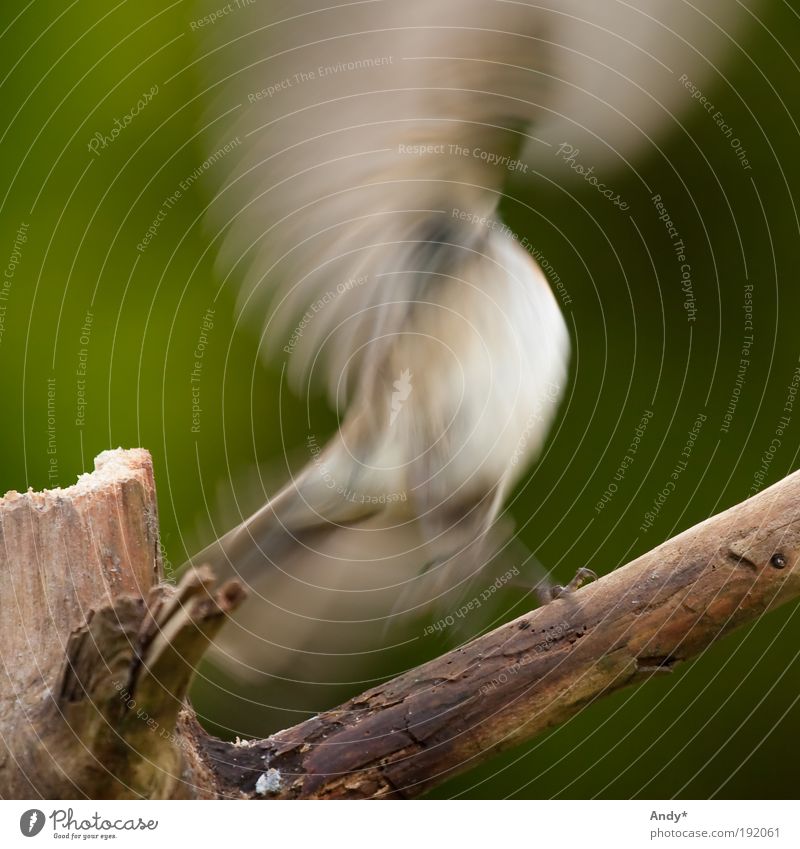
<point x="101" y="682"/>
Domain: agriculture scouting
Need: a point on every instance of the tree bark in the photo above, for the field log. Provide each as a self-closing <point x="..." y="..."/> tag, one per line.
<point x="97" y="654"/>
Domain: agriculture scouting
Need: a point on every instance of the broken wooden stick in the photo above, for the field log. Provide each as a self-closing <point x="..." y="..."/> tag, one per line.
<point x="96" y="655"/>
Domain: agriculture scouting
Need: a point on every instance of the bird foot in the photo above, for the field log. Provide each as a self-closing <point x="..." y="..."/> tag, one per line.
<point x="582" y="576"/>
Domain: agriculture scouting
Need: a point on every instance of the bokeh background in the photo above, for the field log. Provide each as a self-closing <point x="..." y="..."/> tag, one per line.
<point x="97" y="347"/>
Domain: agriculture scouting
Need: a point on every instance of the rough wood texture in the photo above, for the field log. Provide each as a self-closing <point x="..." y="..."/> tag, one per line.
<point x="70" y="553"/>
<point x="406" y="736"/>
<point x="95" y="654"/>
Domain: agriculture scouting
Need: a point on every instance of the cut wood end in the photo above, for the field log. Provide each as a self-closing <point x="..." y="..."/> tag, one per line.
<point x="110" y="467"/>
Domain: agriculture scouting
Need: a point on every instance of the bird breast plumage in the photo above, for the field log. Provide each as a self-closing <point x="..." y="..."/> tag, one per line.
<point x="484" y="351"/>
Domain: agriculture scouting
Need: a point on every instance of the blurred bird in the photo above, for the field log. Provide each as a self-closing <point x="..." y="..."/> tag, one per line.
<point x="361" y="151"/>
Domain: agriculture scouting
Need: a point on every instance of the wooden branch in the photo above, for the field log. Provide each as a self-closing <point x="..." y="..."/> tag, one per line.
<point x="96" y="655"/>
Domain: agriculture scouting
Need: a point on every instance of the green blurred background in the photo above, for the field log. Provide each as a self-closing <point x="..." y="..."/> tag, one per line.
<point x="726" y="725"/>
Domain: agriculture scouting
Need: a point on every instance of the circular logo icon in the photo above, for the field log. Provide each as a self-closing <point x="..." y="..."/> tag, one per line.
<point x="31" y="822"/>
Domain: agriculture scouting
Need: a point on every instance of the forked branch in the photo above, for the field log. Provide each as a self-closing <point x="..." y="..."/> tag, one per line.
<point x="96" y="655"/>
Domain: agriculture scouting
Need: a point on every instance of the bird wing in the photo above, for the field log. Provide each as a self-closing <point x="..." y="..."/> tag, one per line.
<point x="354" y="140"/>
<point x="343" y="134"/>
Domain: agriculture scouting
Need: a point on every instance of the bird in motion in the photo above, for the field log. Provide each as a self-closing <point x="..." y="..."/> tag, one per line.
<point x="361" y="153"/>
